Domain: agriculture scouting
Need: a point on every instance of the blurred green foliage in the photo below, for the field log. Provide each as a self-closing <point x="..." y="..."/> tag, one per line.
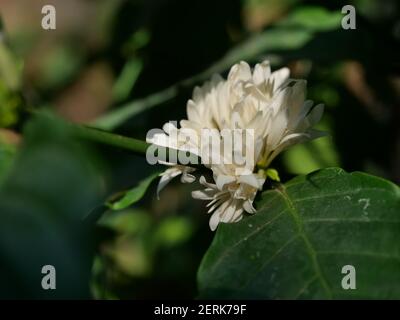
<point x="133" y="254"/>
<point x="7" y="154"/>
<point x="10" y="84"/>
<point x="313" y="18"/>
<point x="10" y="103"/>
<point x="52" y="185"/>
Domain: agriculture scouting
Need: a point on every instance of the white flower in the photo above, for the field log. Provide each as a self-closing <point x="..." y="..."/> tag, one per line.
<point x="269" y="104"/>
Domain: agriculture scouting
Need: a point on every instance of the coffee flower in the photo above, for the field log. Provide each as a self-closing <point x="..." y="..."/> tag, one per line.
<point x="266" y="106"/>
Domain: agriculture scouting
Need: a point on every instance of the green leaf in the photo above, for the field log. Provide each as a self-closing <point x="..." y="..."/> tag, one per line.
<point x="127" y="79"/>
<point x="313" y="18"/>
<point x="133" y="195"/>
<point x="303" y="234"/>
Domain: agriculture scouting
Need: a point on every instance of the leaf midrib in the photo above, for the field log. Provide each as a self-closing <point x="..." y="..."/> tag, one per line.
<point x="309" y="247"/>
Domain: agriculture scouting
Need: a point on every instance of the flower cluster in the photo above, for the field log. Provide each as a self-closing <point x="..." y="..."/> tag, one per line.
<point x="267" y="106"/>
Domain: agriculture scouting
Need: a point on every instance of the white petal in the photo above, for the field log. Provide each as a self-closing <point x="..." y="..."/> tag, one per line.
<point x="187" y="178"/>
<point x="262" y="71"/>
<point x="206" y="194"/>
<point x="278" y="126"/>
<point x="229" y="212"/>
<point x="222" y="180"/>
<point x="214" y="221"/>
<point x="197" y="94"/>
<point x="217" y="215"/>
<point x="192" y="112"/>
<point x="315" y="114"/>
<point x="298" y="121"/>
<point x="169" y="127"/>
<point x="206" y="184"/>
<point x="286" y="142"/>
<point x="166" y="177"/>
<point x="248" y="207"/>
<point x="216" y="79"/>
<point x="238" y="215"/>
<point x="159" y="139"/>
<point x="296" y="100"/>
<point x="315" y="134"/>
<point x="280" y="77"/>
<point x="251" y="180"/>
<point x="165" y="163"/>
<point x="239" y="72"/>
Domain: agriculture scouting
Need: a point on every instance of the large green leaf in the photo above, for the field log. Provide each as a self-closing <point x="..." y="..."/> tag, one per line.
<point x="303" y="234"/>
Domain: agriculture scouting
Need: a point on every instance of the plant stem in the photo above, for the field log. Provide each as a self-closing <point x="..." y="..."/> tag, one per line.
<point x="96" y="135"/>
<point x="135" y="145"/>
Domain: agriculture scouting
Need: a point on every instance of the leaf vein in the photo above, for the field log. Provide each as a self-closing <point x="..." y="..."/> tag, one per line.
<point x="304" y="288"/>
<point x="311" y="251"/>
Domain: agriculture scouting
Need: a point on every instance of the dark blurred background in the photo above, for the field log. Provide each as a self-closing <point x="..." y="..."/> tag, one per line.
<point x="106" y="54"/>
